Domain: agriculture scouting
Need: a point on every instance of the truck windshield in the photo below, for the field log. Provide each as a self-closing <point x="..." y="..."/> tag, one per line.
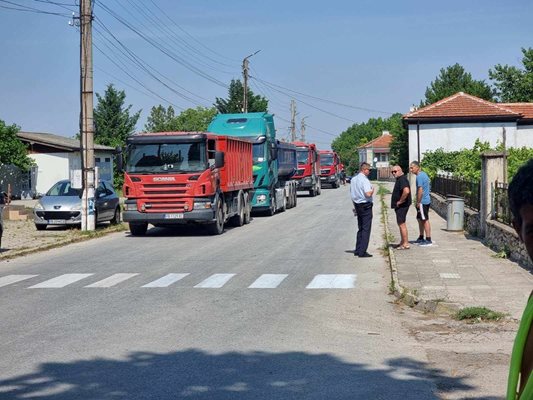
<point x="326" y="160"/>
<point x="302" y="156"/>
<point x="159" y="158"/>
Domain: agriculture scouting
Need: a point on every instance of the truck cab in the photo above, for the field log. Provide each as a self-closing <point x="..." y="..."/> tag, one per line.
<point x="330" y="169"/>
<point x="308" y="175"/>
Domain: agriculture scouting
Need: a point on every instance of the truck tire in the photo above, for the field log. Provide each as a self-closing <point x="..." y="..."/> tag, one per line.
<point x="318" y="189"/>
<point x="295" y="198"/>
<point x="238" y="219"/>
<point x="312" y="192"/>
<point x="217" y="227"/>
<point x="138" y="229"/>
<point x="247" y="209"/>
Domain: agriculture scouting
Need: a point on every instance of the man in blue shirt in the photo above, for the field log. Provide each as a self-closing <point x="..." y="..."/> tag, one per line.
<point x="361" y="192"/>
<point x="423" y="201"/>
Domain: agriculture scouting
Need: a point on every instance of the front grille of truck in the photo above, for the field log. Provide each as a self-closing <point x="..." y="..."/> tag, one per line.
<point x="174" y="205"/>
<point x="153" y="189"/>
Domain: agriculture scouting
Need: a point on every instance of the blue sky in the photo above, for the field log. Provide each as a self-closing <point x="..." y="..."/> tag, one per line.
<point x="370" y="55"/>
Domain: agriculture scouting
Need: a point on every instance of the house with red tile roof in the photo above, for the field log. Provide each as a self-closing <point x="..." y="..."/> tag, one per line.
<point x="454" y="123"/>
<point x="376" y="152"/>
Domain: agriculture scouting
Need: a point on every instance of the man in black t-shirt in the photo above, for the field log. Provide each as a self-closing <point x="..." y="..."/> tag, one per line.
<point x="400" y="202"/>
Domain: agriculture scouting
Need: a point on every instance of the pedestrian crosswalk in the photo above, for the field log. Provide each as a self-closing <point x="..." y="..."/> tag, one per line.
<point x="213" y="281"/>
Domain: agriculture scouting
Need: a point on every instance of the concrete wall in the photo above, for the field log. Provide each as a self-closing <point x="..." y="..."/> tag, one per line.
<point x="457" y="136"/>
<point x="498" y="236"/>
<point x="54" y="167"/>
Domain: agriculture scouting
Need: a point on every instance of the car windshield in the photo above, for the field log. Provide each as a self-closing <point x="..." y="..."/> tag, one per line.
<point x="63" y="188"/>
<point x="302" y="156"/>
<point x="326" y="160"/>
<point x="156" y="158"/>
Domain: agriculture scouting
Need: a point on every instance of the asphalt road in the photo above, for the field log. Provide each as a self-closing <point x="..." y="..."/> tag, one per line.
<point x="278" y="309"/>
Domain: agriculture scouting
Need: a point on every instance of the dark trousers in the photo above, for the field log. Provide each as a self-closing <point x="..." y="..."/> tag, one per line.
<point x="364" y="222"/>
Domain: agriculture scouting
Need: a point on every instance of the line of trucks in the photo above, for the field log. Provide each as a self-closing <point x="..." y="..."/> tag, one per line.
<point x="221" y="176"/>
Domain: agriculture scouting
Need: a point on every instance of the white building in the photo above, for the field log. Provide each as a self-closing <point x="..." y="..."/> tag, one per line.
<point x="454" y="123"/>
<point x="56" y="156"/>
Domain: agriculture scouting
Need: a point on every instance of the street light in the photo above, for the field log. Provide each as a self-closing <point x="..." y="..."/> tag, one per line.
<point x="245" y="76"/>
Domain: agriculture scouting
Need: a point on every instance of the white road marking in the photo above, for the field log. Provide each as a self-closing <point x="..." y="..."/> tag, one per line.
<point x="9" y="279"/>
<point x="60" y="281"/>
<point x="166" y="280"/>
<point x="333" y="281"/>
<point x="268" y="281"/>
<point x="446" y="275"/>
<point x="111" y="281"/>
<point x="215" y="281"/>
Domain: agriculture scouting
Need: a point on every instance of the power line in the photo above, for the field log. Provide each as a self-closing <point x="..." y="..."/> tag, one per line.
<point x="30" y="9"/>
<point x="323" y="100"/>
<point x="162" y="49"/>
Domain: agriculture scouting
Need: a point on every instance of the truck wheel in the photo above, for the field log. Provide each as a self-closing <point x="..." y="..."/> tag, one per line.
<point x="238" y="220"/>
<point x="312" y="192"/>
<point x="295" y="199"/>
<point x="318" y="189"/>
<point x="247" y="209"/>
<point x="217" y="227"/>
<point x="284" y="205"/>
<point x="138" y="229"/>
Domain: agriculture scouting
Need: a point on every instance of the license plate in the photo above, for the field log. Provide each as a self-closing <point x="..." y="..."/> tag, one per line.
<point x="174" y="216"/>
<point x="56" y="221"/>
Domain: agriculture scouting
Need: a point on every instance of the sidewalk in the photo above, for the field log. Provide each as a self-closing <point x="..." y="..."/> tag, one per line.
<point x="456" y="271"/>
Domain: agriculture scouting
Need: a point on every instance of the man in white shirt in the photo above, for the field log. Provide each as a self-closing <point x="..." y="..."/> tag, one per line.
<point x="361" y="192"/>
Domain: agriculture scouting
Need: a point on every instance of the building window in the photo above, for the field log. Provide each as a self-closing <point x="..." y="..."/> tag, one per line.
<point x="382" y="156"/>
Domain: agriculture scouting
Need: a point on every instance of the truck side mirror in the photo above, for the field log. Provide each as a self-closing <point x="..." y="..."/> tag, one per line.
<point x="219" y="159"/>
<point x="274" y="152"/>
<point x="119" y="160"/>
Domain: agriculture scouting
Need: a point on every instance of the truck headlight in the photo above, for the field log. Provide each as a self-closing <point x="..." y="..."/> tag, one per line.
<point x="261" y="198"/>
<point x="201" y="205"/>
<point x="130" y="206"/>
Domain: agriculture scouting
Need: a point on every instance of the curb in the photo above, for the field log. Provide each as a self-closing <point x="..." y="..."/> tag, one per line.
<point x="62" y="242"/>
<point x="405" y="294"/>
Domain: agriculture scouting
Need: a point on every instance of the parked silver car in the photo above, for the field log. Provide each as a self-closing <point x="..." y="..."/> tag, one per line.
<point x="61" y="205"/>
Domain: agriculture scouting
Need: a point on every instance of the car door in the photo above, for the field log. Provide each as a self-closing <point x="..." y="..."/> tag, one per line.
<point x="103" y="208"/>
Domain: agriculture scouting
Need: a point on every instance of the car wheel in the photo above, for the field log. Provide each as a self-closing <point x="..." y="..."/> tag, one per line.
<point x="116" y="217"/>
<point x="40" y="227"/>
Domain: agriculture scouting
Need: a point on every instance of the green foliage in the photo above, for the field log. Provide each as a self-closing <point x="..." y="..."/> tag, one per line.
<point x="466" y="163"/>
<point x="112" y="122"/>
<point x="455" y="79"/>
<point x="160" y="119"/>
<point x="514" y="84"/>
<point x="399" y="148"/>
<point x="478" y="314"/>
<point x="347" y="142"/>
<point x="12" y="150"/>
<point x="234" y="102"/>
<point x="191" y="120"/>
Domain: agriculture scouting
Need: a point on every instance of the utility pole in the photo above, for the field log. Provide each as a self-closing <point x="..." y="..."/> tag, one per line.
<point x="293" y="121"/>
<point x="245" y="65"/>
<point x="302" y="129"/>
<point x="86" y="116"/>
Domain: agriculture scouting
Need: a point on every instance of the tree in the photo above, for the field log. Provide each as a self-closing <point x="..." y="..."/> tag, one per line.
<point x="455" y="79"/>
<point x="12" y="150"/>
<point x="514" y="84"/>
<point x="399" y="147"/>
<point x="112" y="122"/>
<point x="160" y="119"/>
<point x="234" y="102"/>
<point x="191" y="120"/>
<point x="195" y="119"/>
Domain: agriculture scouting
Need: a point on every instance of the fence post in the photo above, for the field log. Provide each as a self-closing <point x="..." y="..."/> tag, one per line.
<point x="492" y="169"/>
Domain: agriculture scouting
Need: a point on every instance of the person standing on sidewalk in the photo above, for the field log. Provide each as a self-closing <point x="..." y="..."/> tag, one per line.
<point x="361" y="192"/>
<point x="423" y="201"/>
<point x="520" y="382"/>
<point x="400" y="202"/>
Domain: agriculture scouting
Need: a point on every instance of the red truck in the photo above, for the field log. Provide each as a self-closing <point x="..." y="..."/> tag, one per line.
<point x="173" y="178"/>
<point x="307" y="176"/>
<point x="330" y="168"/>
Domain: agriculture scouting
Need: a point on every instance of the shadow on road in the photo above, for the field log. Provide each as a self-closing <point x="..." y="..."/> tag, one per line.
<point x="257" y="375"/>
